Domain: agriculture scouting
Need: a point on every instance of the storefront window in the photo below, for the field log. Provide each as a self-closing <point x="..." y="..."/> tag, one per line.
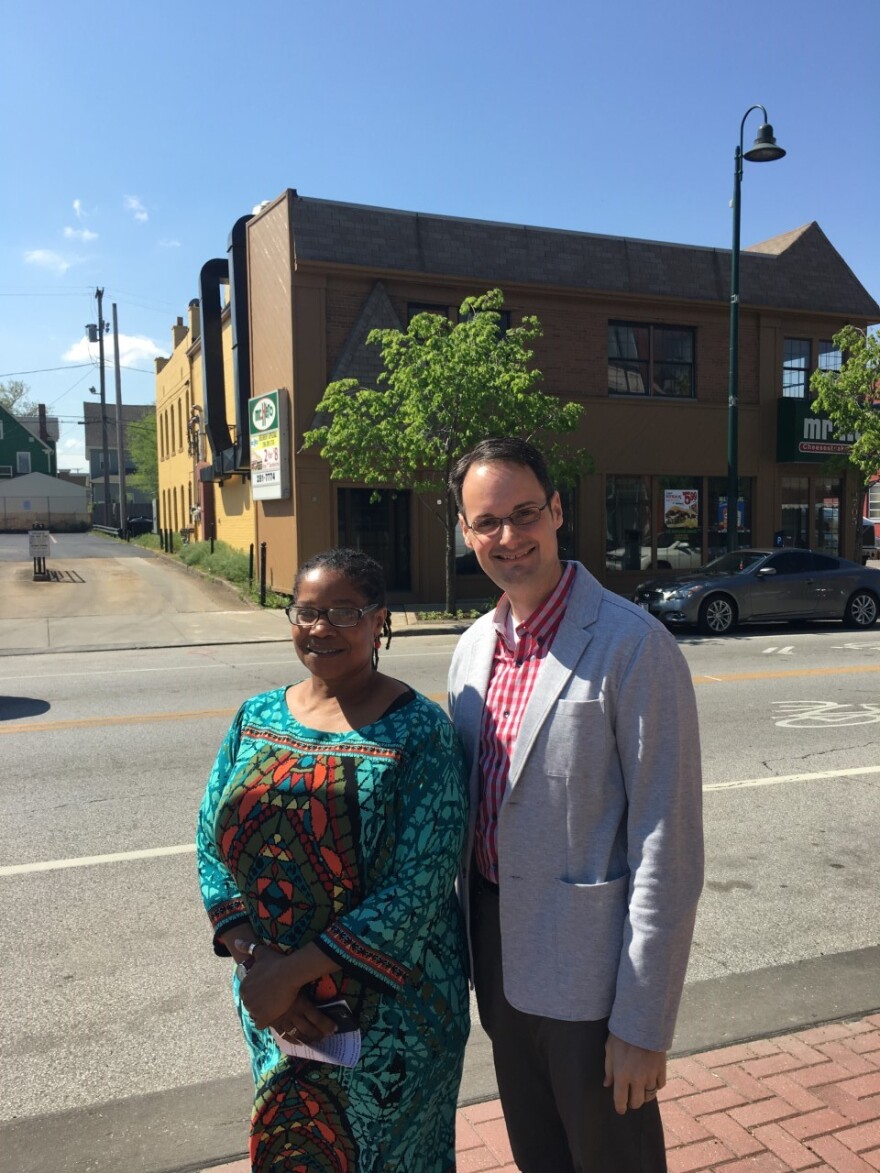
<point x="627" y="521"/>
<point x="795" y="504"/>
<point x="379" y="528"/>
<point x="678" y="524"/>
<point x="826" y="516"/>
<point x="717" y="516"/>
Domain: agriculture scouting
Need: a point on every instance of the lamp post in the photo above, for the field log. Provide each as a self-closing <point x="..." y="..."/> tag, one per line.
<point x="764" y="150"/>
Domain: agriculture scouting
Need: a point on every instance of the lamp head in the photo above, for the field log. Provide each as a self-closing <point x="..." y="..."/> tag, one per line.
<point x="765" y="148"/>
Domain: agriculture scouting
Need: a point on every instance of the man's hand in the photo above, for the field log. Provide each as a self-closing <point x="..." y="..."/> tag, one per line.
<point x="635" y="1073"/>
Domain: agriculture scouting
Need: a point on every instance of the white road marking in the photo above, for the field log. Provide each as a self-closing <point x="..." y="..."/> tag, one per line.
<point x="195" y="667"/>
<point x="188" y="848"/>
<point x="85" y="861"/>
<point x="775" y="780"/>
<point x="787" y="651"/>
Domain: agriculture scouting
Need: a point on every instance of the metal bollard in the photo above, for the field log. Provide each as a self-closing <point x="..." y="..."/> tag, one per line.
<point x="213" y="534"/>
<point x="251" y="567"/>
<point x="262" y="574"/>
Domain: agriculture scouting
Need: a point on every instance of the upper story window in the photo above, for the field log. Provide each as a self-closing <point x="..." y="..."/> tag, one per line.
<point x="874" y="501"/>
<point x="425" y="307"/>
<point x="795" y="368"/>
<point x="644" y="359"/>
<point x="23" y="463"/>
<point x="797" y="365"/>
<point x="830" y="358"/>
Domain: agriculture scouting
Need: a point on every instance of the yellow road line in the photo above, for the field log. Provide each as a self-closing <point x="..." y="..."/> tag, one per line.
<point x="733" y="677"/>
<point x="132" y="719"/>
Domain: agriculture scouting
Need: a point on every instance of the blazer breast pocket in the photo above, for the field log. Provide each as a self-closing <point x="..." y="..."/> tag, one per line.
<point x="574" y="737"/>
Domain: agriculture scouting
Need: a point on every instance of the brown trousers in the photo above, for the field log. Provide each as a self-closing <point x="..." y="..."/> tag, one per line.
<point x="559" y="1117"/>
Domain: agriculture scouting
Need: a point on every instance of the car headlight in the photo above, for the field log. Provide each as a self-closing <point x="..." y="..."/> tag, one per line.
<point x="683" y="592"/>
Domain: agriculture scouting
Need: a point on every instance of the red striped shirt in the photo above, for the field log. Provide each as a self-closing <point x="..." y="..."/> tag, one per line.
<point x="515" y="670"/>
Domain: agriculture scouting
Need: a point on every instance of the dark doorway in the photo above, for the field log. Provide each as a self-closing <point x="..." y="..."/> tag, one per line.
<point x="379" y="528"/>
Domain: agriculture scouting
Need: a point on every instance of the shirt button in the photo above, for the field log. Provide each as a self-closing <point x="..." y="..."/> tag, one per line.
<point x="519" y="663"/>
<point x="506" y="713"/>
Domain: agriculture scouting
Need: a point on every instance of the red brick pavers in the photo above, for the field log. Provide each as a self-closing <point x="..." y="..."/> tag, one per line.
<point x="809" y="1100"/>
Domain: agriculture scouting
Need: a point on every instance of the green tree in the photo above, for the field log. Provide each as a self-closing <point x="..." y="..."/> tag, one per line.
<point x="850" y="397"/>
<point x="444" y="387"/>
<point x="142" y="444"/>
<point x="13" y="396"/>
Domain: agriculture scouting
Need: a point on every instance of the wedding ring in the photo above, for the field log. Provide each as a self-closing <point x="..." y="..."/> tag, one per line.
<point x="252" y="947"/>
<point x="650" y="1091"/>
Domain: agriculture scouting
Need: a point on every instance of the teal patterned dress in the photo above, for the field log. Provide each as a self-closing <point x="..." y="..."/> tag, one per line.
<point x="350" y="841"/>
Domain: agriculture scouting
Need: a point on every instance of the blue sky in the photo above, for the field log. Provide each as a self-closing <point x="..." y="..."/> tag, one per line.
<point x="135" y="135"/>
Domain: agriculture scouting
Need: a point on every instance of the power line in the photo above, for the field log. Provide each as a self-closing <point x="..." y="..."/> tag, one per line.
<point x="71" y="366"/>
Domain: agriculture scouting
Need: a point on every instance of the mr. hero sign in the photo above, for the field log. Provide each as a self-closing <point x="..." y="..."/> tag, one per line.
<point x="270" y="446"/>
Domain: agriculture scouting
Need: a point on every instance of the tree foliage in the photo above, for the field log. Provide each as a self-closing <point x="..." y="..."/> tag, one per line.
<point x="850" y="397"/>
<point x="141" y="442"/>
<point x="444" y="387"/>
<point x="14" y="397"/>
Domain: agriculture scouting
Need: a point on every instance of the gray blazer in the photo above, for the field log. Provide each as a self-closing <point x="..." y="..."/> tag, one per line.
<point x="600" y="835"/>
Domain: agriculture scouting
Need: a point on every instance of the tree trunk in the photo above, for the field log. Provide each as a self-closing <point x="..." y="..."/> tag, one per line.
<point x="451" y="522"/>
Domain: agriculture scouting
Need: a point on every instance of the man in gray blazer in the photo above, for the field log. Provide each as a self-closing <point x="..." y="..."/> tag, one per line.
<point x="585" y="854"/>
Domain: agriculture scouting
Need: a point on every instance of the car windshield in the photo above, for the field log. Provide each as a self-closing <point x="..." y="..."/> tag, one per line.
<point x="735" y="562"/>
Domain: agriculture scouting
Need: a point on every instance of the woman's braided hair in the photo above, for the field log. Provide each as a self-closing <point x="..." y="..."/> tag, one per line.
<point x="361" y="570"/>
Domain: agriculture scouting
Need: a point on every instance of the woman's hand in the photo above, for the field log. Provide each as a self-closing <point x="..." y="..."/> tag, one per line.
<point x="271" y="985"/>
<point x="303" y="1022"/>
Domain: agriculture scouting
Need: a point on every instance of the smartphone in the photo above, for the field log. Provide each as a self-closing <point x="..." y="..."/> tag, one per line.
<point x="339" y="1012"/>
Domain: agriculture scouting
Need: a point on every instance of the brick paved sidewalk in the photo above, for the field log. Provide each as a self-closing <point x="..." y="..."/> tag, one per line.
<point x="809" y="1100"/>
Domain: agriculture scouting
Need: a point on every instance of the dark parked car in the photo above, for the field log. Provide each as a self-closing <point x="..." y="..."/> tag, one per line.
<point x="754" y="586"/>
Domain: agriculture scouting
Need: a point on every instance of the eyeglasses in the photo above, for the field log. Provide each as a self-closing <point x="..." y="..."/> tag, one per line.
<point x="487" y="526"/>
<point x="335" y="616"/>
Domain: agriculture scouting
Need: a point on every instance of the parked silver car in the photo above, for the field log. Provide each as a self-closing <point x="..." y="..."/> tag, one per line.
<point x="754" y="586"/>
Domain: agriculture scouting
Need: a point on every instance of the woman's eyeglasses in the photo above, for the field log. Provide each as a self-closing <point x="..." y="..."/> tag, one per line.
<point x="487" y="526"/>
<point x="335" y="616"/>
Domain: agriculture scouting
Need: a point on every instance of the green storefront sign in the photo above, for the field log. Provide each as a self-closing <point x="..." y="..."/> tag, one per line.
<point x="806" y="438"/>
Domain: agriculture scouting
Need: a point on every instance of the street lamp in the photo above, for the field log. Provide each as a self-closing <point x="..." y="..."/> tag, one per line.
<point x="764" y="150"/>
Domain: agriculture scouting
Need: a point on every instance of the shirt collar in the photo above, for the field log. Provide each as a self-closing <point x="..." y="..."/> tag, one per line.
<point x="546" y="615"/>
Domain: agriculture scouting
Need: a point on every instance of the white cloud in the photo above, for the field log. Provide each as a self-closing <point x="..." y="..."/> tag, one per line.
<point x="44" y="258"/>
<point x="135" y="350"/>
<point x="133" y="204"/>
<point x="78" y="209"/>
<point x="83" y="234"/>
<point x="169" y="244"/>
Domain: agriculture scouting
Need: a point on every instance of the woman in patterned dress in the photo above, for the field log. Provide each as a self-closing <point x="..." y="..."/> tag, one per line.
<point x="328" y="842"/>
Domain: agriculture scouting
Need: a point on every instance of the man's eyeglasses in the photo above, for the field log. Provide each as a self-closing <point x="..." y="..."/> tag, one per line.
<point x="487" y="526"/>
<point x="335" y="616"/>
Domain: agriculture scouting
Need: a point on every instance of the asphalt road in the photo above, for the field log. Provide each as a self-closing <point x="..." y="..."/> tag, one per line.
<point x="115" y="1023"/>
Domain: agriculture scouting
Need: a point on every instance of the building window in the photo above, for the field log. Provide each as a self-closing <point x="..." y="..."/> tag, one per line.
<point x="651" y="360"/>
<point x="425" y="307"/>
<point x="830" y="358"/>
<point x="670" y="523"/>
<point x="5" y="470"/>
<point x="874" y="501"/>
<point x="795" y="368"/>
<point x="22" y="463"/>
<point x="1" y="429"/>
<point x="380" y="528"/>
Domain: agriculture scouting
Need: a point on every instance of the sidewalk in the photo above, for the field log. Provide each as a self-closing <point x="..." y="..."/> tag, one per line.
<point x="808" y="1100"/>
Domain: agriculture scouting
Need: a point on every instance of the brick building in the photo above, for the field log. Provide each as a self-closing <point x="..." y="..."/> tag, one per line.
<point x="636" y="331"/>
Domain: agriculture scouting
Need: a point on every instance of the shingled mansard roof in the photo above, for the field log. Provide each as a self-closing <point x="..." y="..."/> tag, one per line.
<point x="800" y="270"/>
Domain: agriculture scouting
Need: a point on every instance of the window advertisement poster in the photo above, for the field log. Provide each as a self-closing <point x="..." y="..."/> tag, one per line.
<point x="270" y="446"/>
<point x="681" y="508"/>
<point x="722" y="515"/>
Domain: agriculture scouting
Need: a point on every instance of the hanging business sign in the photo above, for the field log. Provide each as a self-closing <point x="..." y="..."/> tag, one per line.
<point x="803" y="436"/>
<point x="269" y="429"/>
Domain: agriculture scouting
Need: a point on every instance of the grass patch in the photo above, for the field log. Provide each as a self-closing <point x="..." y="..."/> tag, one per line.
<point x="226" y="563"/>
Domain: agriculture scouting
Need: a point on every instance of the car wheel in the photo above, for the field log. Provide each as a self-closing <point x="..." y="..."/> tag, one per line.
<point x="861" y="610"/>
<point x="717" y="615"/>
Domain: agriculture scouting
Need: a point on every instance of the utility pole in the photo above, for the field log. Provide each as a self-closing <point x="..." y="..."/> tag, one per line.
<point x="120" y="434"/>
<point x="99" y="294"/>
